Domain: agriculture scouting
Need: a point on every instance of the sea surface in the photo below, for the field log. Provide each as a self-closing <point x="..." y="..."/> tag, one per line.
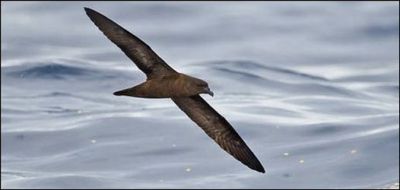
<point x="312" y="87"/>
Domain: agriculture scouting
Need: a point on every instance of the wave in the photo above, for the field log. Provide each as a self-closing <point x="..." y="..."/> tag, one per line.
<point x="251" y="66"/>
<point x="248" y="74"/>
<point x="57" y="71"/>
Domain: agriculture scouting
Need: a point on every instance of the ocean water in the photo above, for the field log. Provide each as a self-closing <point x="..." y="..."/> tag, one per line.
<point x="312" y="87"/>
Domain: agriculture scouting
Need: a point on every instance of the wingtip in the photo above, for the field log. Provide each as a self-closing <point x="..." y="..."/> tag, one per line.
<point x="86" y="9"/>
<point x="89" y="11"/>
<point x="256" y="165"/>
<point x="261" y="170"/>
<point x="258" y="168"/>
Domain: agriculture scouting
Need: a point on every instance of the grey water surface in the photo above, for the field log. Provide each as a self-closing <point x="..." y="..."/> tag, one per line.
<point x="312" y="87"/>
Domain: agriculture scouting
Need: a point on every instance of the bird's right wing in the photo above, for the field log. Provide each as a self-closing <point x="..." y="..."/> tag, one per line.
<point x="218" y="129"/>
<point x="138" y="51"/>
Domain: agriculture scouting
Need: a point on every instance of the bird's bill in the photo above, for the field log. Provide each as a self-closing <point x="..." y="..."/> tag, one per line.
<point x="208" y="91"/>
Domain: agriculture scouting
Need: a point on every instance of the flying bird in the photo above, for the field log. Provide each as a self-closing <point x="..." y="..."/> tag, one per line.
<point x="164" y="82"/>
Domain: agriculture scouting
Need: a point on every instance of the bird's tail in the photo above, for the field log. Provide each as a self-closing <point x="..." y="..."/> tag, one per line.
<point x="124" y="92"/>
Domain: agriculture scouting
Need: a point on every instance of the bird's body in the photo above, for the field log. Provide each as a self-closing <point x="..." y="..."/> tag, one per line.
<point x="168" y="86"/>
<point x="164" y="82"/>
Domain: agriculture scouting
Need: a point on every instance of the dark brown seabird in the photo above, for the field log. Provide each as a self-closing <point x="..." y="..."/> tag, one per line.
<point x="164" y="82"/>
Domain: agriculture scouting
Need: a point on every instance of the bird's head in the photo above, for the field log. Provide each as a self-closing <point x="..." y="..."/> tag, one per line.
<point x="202" y="87"/>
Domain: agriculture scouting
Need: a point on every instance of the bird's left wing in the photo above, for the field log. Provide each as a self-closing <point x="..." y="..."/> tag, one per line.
<point x="218" y="129"/>
<point x="138" y="51"/>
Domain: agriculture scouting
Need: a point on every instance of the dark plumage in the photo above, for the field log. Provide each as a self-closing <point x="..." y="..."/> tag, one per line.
<point x="168" y="86"/>
<point x="164" y="82"/>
